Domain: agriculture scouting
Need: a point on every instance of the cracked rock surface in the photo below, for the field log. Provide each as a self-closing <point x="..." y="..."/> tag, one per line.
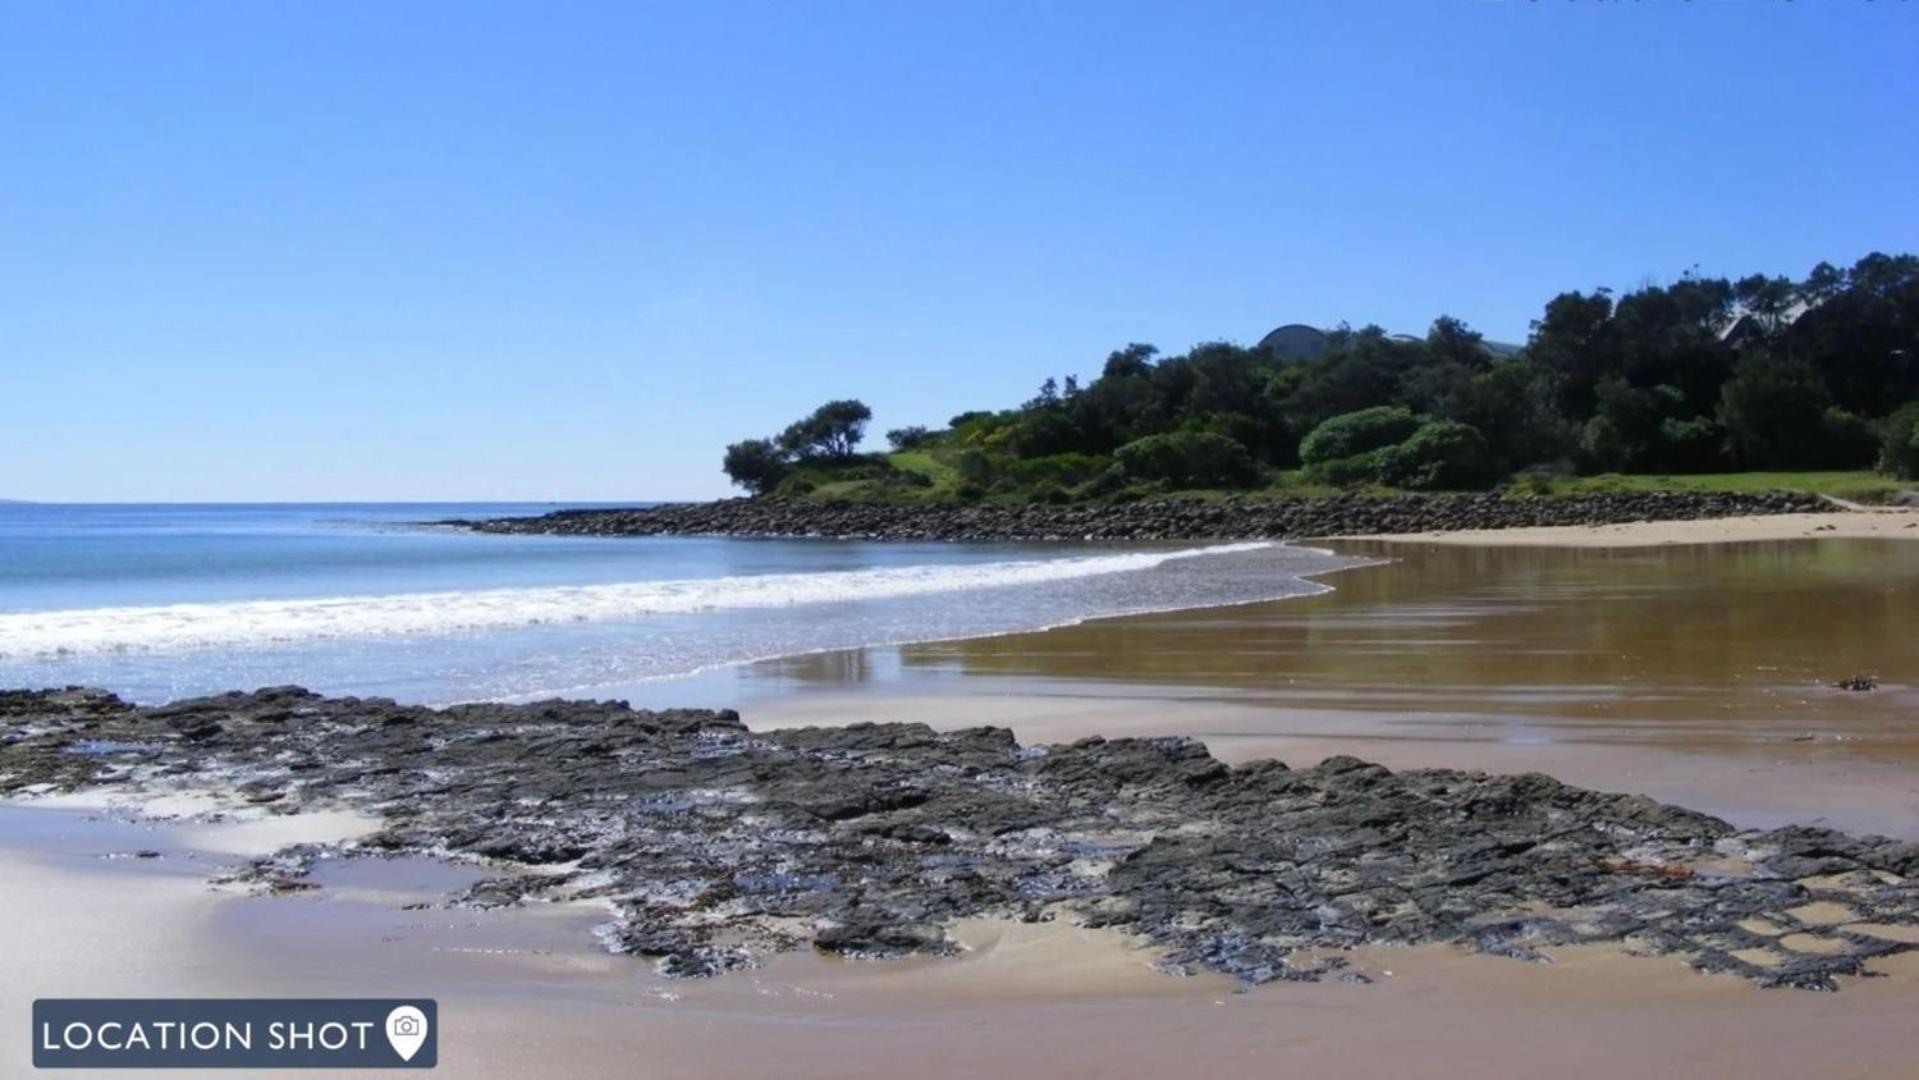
<point x="716" y="845"/>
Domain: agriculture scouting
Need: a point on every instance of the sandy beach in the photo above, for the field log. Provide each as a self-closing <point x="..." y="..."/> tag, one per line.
<point x="524" y="993"/>
<point x="1450" y="656"/>
<point x="1858" y="523"/>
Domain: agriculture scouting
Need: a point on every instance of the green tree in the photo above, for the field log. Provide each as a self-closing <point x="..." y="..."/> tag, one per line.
<point x="756" y="465"/>
<point x="1043" y="432"/>
<point x="833" y="430"/>
<point x="1574" y="341"/>
<point x="1862" y="333"/>
<point x="1774" y="413"/>
<point x="1623" y="433"/>
<point x="1899" y="443"/>
<point x="908" y="438"/>
<point x="1510" y="403"/>
<point x="1693" y="445"/>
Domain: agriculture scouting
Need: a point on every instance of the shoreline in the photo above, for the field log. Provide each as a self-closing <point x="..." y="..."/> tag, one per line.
<point x="523" y="986"/>
<point x="1852" y="524"/>
<point x="1167" y="518"/>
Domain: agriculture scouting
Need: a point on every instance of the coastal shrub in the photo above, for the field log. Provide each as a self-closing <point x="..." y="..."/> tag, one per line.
<point x="1600" y="446"/>
<point x="1188" y="459"/>
<point x="1774" y="412"/>
<point x="1851" y="442"/>
<point x="1048" y="491"/>
<point x="1059" y="468"/>
<point x="756" y="465"/>
<point x="1354" y="433"/>
<point x="1268" y="437"/>
<point x="1691" y="446"/>
<point x="1041" y="434"/>
<point x="867" y="467"/>
<point x="1623" y="433"/>
<point x="1899" y="443"/>
<point x="1443" y="455"/>
<point x="1348" y="471"/>
<point x="909" y="438"/>
<point x="972" y="428"/>
<point x="1155" y="457"/>
<point x="1107" y="482"/>
<point x="974" y="466"/>
<point x="1533" y="483"/>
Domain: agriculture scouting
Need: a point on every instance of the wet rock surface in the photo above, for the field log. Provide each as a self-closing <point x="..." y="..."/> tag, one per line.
<point x="1153" y="519"/>
<point x="716" y="845"/>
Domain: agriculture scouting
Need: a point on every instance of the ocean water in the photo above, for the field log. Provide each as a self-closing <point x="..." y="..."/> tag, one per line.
<point x="157" y="602"/>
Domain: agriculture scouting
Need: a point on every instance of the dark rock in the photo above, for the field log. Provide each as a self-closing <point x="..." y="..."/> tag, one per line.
<point x="1168" y="518"/>
<point x="718" y="845"/>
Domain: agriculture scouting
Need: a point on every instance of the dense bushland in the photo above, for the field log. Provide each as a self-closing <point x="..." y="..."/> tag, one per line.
<point x="1703" y="375"/>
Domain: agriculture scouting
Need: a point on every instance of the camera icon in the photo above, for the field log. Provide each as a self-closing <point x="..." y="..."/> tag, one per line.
<point x="406" y="1031"/>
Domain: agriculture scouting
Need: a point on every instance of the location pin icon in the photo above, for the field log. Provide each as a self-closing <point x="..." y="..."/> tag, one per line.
<point x="406" y="1030"/>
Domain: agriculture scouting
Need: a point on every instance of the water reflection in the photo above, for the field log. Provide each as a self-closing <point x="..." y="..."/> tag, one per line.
<point x="1676" y="645"/>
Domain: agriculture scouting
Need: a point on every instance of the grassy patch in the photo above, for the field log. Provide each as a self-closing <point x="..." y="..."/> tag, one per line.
<point x="930" y="476"/>
<point x="1865" y="487"/>
<point x="927" y="464"/>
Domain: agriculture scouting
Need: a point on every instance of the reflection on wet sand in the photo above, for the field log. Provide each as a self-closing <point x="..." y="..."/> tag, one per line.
<point x="1696" y="674"/>
<point x="1690" y="647"/>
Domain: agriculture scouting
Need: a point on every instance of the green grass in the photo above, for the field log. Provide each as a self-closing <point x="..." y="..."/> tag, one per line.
<point x="928" y="476"/>
<point x="1864" y="487"/>
<point x="926" y="464"/>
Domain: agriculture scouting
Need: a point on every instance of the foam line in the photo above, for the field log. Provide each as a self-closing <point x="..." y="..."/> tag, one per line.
<point x="260" y="622"/>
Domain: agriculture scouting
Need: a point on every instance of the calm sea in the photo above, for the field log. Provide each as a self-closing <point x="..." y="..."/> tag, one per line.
<point x="161" y="601"/>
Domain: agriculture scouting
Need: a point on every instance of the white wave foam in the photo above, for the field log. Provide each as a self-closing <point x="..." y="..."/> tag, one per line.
<point x="268" y="622"/>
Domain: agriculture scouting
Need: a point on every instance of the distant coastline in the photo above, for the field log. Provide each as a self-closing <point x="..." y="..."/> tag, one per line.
<point x="1233" y="518"/>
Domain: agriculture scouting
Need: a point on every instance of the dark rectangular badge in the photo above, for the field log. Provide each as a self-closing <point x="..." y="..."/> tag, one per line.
<point x="236" y="1033"/>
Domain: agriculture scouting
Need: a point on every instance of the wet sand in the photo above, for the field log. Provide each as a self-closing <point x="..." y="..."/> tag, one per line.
<point x="523" y="994"/>
<point x="1699" y="675"/>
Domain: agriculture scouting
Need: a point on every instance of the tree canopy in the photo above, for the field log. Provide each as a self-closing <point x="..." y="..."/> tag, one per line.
<point x="829" y="433"/>
<point x="1702" y="374"/>
<point x="833" y="430"/>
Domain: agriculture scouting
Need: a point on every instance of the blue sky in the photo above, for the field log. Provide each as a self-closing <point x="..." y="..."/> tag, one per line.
<point x="431" y="250"/>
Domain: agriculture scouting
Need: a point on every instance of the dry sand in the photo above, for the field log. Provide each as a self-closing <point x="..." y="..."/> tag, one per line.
<point x="1861" y="523"/>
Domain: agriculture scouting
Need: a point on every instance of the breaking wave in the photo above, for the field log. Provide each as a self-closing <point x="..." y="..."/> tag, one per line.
<point x="43" y="634"/>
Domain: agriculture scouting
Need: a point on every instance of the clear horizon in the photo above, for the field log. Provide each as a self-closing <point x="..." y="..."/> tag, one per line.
<point x="350" y="252"/>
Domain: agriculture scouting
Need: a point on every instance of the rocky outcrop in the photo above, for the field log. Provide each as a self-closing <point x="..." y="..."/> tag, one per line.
<point x="1152" y="519"/>
<point x="716" y="844"/>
